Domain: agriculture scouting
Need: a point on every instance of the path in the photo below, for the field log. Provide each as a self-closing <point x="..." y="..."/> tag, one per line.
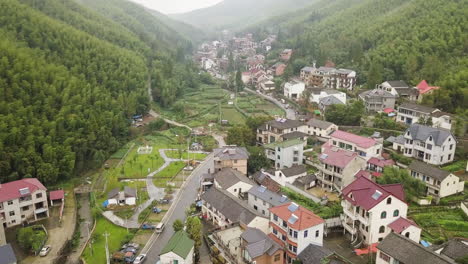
<point x="290" y="112"/>
<point x="172" y="122"/>
<point x="84" y="212"/>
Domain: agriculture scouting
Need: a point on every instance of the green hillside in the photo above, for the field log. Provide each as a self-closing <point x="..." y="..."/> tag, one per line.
<point x="383" y="40"/>
<point x="71" y="78"/>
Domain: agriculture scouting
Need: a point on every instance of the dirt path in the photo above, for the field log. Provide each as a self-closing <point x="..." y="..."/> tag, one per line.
<point x="84" y="213"/>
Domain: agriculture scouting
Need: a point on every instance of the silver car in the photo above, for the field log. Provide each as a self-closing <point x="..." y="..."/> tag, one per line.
<point x="140" y="259"/>
<point x="45" y="250"/>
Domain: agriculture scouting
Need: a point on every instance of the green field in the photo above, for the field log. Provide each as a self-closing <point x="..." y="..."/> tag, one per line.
<point x="172" y="170"/>
<point x="174" y="154"/>
<point x="256" y="106"/>
<point x="232" y="115"/>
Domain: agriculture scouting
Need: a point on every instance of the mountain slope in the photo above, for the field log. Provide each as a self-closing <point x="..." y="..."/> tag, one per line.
<point x="70" y="79"/>
<point x="236" y="14"/>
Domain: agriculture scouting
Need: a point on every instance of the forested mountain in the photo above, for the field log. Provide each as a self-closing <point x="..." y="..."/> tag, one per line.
<point x="237" y="14"/>
<point x="383" y="40"/>
<point x="70" y="79"/>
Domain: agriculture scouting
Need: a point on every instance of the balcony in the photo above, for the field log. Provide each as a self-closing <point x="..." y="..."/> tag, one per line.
<point x="349" y="227"/>
<point x="350" y="213"/>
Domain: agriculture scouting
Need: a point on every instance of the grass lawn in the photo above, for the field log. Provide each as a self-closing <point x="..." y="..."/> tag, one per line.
<point x="174" y="154"/>
<point x="232" y="115"/>
<point x="456" y="166"/>
<point x="172" y="170"/>
<point x="117" y="236"/>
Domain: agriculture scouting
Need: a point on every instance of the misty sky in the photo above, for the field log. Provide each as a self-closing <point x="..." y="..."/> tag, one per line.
<point x="176" y="6"/>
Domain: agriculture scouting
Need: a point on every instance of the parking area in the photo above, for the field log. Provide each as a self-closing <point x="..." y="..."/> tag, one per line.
<point x="340" y="244"/>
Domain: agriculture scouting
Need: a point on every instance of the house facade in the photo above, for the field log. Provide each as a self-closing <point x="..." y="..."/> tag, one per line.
<point x="233" y="181"/>
<point x="432" y="145"/>
<point x="261" y="199"/>
<point x="400" y="89"/>
<point x="22" y="200"/>
<point x="295" y="227"/>
<point x="274" y="130"/>
<point x="365" y="147"/>
<point x="320" y="128"/>
<point x="377" y="100"/>
<point x="287" y="175"/>
<point x="329" y="77"/>
<point x="294" y="89"/>
<point x="231" y="157"/>
<point x="439" y="183"/>
<point x="259" y="248"/>
<point x="410" y="113"/>
<point x="285" y="154"/>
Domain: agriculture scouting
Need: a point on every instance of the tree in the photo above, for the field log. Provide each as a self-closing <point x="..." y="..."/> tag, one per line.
<point x="348" y="115"/>
<point x="257" y="160"/>
<point x="239" y="82"/>
<point x="194" y="230"/>
<point x="414" y="188"/>
<point x="31" y="239"/>
<point x="240" y="135"/>
<point x="178" y="225"/>
<point x="374" y="76"/>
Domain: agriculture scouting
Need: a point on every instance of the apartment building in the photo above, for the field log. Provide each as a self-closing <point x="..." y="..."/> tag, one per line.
<point x="377" y="100"/>
<point x="22" y="200"/>
<point x="329" y="77"/>
<point x="231" y="157"/>
<point x="432" y="145"/>
<point x="320" y="128"/>
<point x="274" y="130"/>
<point x="439" y="183"/>
<point x="261" y="199"/>
<point x="285" y="154"/>
<point x="295" y="227"/>
<point x="366" y="147"/>
<point x="372" y="211"/>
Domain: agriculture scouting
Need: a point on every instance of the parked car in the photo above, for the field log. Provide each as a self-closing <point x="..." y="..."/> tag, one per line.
<point x="164" y="201"/>
<point x="147" y="226"/>
<point x="140" y="259"/>
<point x="157" y="210"/>
<point x="45" y="250"/>
<point x="160" y="228"/>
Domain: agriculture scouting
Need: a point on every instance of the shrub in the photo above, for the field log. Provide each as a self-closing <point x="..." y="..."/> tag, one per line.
<point x="30" y="238"/>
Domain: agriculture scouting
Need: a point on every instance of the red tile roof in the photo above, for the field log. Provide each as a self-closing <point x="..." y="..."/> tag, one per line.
<point x="389" y="110"/>
<point x="360" y="141"/>
<point x="401" y="224"/>
<point x="380" y="162"/>
<point x="335" y="156"/>
<point x="423" y="87"/>
<point x="361" y="173"/>
<point x="306" y="218"/>
<point x="361" y="191"/>
<point x="57" y="195"/>
<point x="10" y="190"/>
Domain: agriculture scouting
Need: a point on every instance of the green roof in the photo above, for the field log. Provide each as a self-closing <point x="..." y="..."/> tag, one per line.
<point x="180" y="244"/>
<point x="317" y="112"/>
<point x="284" y="144"/>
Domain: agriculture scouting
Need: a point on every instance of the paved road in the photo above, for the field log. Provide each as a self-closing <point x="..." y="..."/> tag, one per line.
<point x="188" y="194"/>
<point x="290" y="112"/>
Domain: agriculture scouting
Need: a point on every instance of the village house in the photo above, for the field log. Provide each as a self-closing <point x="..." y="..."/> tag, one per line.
<point x="178" y="250"/>
<point x="337" y="167"/>
<point x="400" y="89"/>
<point x="371" y="211"/>
<point x="294" y="227"/>
<point x="320" y="128"/>
<point x="432" y="145"/>
<point x="396" y="248"/>
<point x="126" y="197"/>
<point x="377" y="100"/>
<point x="425" y="89"/>
<point x="410" y="113"/>
<point x="316" y="94"/>
<point x="286" y="54"/>
<point x="317" y="254"/>
<point x="306" y="74"/>
<point x="377" y="165"/>
<point x="287" y="175"/>
<point x="326" y="102"/>
<point x="294" y="89"/>
<point x="261" y="199"/>
<point x="231" y="157"/>
<point x="439" y="183"/>
<point x="21" y="201"/>
<point x="366" y="147"/>
<point x="267" y="86"/>
<point x="278" y="68"/>
<point x="263" y="178"/>
<point x="274" y="130"/>
<point x="259" y="248"/>
<point x="285" y="154"/>
<point x="328" y="77"/>
<point x="455" y="248"/>
<point x="233" y="181"/>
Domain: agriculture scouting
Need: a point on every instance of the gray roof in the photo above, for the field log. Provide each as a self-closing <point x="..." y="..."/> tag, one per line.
<point x="417" y="107"/>
<point x="429" y="170"/>
<point x="231" y="153"/>
<point x="262" y="193"/>
<point x="113" y="192"/>
<point x="229" y="206"/>
<point x="129" y="192"/>
<point x="330" y="100"/>
<point x="258" y="243"/>
<point x="293" y="135"/>
<point x="408" y="251"/>
<point x="305" y="180"/>
<point x="7" y="254"/>
<point x="376" y="93"/>
<point x="399" y="140"/>
<point x="294" y="170"/>
<point x="454" y="248"/>
<point x="319" y="123"/>
<point x="308" y="69"/>
<point x="398" y="84"/>
<point x="227" y="177"/>
<point x="421" y="132"/>
<point x="284" y="123"/>
<point x="314" y="254"/>
<point x="440" y="113"/>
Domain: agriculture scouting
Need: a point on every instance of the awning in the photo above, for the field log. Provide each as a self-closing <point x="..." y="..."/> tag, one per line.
<point x="40" y="210"/>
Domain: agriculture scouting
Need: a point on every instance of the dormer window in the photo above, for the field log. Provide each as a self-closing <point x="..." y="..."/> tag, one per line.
<point x="430" y="138"/>
<point x="389" y="200"/>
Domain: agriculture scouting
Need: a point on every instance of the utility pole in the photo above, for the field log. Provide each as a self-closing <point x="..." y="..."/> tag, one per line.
<point x="107" y="248"/>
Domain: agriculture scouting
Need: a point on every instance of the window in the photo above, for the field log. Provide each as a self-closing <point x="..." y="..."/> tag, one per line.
<point x="25" y="208"/>
<point x="317" y="233"/>
<point x="235" y="161"/>
<point x="451" y="146"/>
<point x="381" y="229"/>
<point x="449" y="157"/>
<point x="264" y="203"/>
<point x="277" y="257"/>
<point x="407" y="234"/>
<point x="429" y="146"/>
<point x="10" y="202"/>
<point x="283" y="237"/>
<point x="12" y="213"/>
<point x="441" y="158"/>
<point x="290" y="232"/>
<point x="295" y="234"/>
<point x="285" y="224"/>
<point x="396" y="213"/>
<point x="235" y="190"/>
<point x="175" y="261"/>
<point x="380" y="239"/>
<point x="384" y="257"/>
<point x="383" y="215"/>
<point x="39" y="195"/>
<point x="263" y="212"/>
<point x="275" y="217"/>
<point x="255" y="207"/>
<point x="389" y="200"/>
<point x="306" y="233"/>
<point x="275" y="231"/>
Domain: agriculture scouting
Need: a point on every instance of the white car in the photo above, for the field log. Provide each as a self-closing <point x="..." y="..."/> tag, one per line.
<point x="45" y="250"/>
<point x="140" y="259"/>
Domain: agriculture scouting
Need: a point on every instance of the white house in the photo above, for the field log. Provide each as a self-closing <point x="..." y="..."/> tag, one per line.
<point x="320" y="128"/>
<point x="400" y="89"/>
<point x="178" y="250"/>
<point x="287" y="175"/>
<point x="432" y="145"/>
<point x="294" y="227"/>
<point x="294" y="89"/>
<point x="317" y="94"/>
<point x="439" y="183"/>
<point x="233" y="181"/>
<point x="366" y="147"/>
<point x="372" y="211"/>
<point x="274" y="130"/>
<point x="261" y="199"/>
<point x="410" y="113"/>
<point x="125" y="197"/>
<point x="285" y="154"/>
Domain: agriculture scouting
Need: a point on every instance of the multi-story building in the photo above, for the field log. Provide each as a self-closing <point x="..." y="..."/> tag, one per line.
<point x="366" y="147"/>
<point x="409" y="113"/>
<point x="21" y="201"/>
<point x="320" y="128"/>
<point x="376" y="165"/>
<point x="258" y="248"/>
<point x="400" y="89"/>
<point x="328" y="77"/>
<point x="372" y="211"/>
<point x="233" y="181"/>
<point x="337" y="167"/>
<point x="432" y="145"/>
<point x="285" y="154"/>
<point x="231" y="157"/>
<point x="377" y="100"/>
<point x="326" y="102"/>
<point x="261" y="199"/>
<point x="294" y="227"/>
<point x="439" y="183"/>
<point x="274" y="130"/>
<point x="294" y="89"/>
